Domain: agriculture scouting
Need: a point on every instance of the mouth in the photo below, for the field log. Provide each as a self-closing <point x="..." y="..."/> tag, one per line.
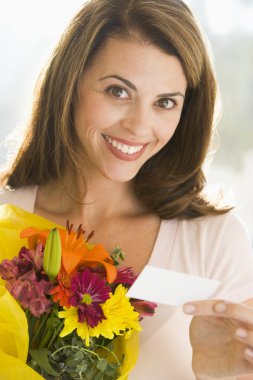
<point x="123" y="149"/>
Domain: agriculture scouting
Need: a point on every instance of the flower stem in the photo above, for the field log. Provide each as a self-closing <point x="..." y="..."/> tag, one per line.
<point x="84" y="350"/>
<point x="43" y="321"/>
<point x="46" y="338"/>
<point x="110" y="351"/>
<point x="55" y="334"/>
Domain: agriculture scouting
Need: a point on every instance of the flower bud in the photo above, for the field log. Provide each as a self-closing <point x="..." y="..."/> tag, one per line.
<point x="52" y="254"/>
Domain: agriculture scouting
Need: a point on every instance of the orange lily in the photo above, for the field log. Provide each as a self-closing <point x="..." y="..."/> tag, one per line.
<point x="75" y="250"/>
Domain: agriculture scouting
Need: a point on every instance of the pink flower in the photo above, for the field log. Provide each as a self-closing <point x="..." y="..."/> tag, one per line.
<point x="9" y="269"/>
<point x="89" y="292"/>
<point x="40" y="305"/>
<point x="125" y="276"/>
<point x="32" y="294"/>
<point x="144" y="308"/>
<point x="29" y="258"/>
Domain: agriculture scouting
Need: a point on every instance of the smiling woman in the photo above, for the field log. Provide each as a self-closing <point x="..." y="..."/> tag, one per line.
<point x="122" y="121"/>
<point x="137" y="117"/>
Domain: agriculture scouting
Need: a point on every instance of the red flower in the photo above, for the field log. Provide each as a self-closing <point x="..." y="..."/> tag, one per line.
<point x="89" y="292"/>
<point x="62" y="292"/>
<point x="144" y="308"/>
<point x="125" y="276"/>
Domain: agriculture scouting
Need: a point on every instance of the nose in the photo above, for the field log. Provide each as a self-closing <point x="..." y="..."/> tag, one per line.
<point x="137" y="120"/>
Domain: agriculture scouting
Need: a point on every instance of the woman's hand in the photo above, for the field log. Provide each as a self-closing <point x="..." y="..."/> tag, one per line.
<point x="221" y="335"/>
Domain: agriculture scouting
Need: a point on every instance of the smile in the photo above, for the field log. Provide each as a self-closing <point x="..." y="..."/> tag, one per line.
<point x="124" y="148"/>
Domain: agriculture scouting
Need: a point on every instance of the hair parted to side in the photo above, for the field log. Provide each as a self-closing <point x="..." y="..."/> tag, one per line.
<point x="170" y="183"/>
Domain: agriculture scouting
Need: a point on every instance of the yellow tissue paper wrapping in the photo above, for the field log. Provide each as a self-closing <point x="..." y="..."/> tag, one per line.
<point x="14" y="338"/>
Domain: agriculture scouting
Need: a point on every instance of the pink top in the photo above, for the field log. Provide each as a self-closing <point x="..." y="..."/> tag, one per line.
<point x="216" y="247"/>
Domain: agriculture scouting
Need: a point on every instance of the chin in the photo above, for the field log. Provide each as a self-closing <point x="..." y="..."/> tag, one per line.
<point x="121" y="176"/>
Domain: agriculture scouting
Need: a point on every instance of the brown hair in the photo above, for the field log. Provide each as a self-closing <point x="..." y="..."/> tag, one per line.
<point x="171" y="182"/>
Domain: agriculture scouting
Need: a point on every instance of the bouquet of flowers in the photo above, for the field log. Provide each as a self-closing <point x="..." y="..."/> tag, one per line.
<point x="73" y="294"/>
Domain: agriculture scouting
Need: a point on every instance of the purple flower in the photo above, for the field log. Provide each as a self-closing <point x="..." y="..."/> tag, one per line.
<point x="89" y="292"/>
<point x="92" y="314"/>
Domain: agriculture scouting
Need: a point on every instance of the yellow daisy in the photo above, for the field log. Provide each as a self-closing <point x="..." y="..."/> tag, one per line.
<point x="120" y="319"/>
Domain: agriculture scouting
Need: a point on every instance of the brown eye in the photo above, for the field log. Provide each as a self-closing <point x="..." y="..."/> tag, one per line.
<point x="166" y="103"/>
<point x="118" y="92"/>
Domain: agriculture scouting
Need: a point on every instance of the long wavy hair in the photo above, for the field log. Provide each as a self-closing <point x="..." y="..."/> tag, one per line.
<point x="170" y="184"/>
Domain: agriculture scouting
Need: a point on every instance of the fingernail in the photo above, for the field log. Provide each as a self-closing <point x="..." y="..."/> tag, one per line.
<point x="220" y="307"/>
<point x="249" y="352"/>
<point x="240" y="333"/>
<point x="189" y="309"/>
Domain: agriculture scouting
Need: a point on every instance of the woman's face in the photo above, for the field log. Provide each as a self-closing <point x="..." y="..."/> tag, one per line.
<point x="129" y="106"/>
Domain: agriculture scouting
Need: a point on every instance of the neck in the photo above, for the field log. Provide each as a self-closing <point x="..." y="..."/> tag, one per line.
<point x="92" y="201"/>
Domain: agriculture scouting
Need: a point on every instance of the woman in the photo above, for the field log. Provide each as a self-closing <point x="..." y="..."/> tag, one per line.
<point x="121" y="126"/>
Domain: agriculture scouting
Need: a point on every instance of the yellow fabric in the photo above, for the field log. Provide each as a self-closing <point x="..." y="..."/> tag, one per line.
<point x="13" y="325"/>
<point x="128" y="347"/>
<point x="13" y="340"/>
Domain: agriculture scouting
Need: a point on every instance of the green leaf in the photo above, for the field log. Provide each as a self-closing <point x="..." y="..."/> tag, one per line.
<point x="79" y="355"/>
<point x="102" y="364"/>
<point x="99" y="376"/>
<point x="53" y="323"/>
<point x="41" y="358"/>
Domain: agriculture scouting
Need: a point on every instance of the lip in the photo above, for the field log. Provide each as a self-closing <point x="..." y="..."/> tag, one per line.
<point x="124" y="141"/>
<point x="124" y="156"/>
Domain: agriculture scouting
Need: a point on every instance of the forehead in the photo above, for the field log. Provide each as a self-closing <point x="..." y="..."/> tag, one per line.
<point x="138" y="60"/>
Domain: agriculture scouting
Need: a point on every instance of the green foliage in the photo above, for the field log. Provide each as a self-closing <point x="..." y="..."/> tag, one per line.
<point x="69" y="359"/>
<point x="117" y="255"/>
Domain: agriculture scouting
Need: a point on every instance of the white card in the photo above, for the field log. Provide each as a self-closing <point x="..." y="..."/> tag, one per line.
<point x="170" y="288"/>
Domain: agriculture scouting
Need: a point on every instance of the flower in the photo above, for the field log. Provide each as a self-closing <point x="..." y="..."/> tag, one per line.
<point x="144" y="308"/>
<point x="61" y="293"/>
<point x="31" y="258"/>
<point x="25" y="281"/>
<point x="89" y="291"/>
<point x="120" y="315"/>
<point x="120" y="318"/>
<point x="125" y="276"/>
<point x="68" y="310"/>
<point x="27" y="260"/>
<point x="32" y="294"/>
<point x="76" y="251"/>
<point x="9" y="269"/>
<point x="52" y="254"/>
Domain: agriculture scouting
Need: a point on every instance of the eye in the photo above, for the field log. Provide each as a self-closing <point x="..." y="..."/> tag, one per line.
<point x="166" y="103"/>
<point x="117" y="92"/>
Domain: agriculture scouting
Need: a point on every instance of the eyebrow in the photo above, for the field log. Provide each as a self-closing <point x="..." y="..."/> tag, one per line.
<point x="133" y="87"/>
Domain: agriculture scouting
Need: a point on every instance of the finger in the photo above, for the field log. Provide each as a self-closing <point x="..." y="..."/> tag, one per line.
<point x="244" y="335"/>
<point x="225" y="309"/>
<point x="248" y="353"/>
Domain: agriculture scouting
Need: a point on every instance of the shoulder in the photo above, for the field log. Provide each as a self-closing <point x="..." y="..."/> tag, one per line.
<point x="216" y="227"/>
<point x="207" y="228"/>
<point x="212" y="246"/>
<point x="217" y="247"/>
<point x="23" y="197"/>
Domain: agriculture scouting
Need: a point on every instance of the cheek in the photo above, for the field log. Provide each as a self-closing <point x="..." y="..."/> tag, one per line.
<point x="96" y="115"/>
<point x="169" y="127"/>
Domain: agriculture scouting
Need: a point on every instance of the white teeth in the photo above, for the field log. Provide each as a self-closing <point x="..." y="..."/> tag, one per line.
<point x="124" y="148"/>
<point x="127" y="149"/>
